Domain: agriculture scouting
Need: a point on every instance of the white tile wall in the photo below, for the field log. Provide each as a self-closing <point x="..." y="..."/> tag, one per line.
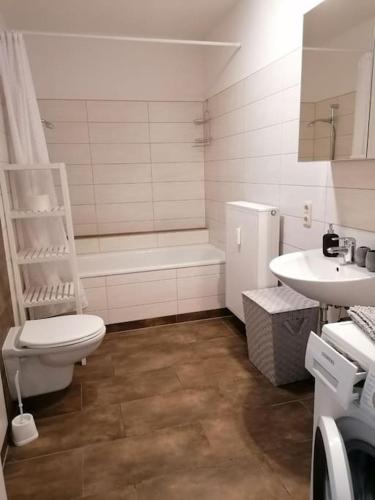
<point x="129" y="297"/>
<point x="131" y="165"/>
<point x="155" y="239"/>
<point x="117" y="111"/>
<point x="253" y="156"/>
<point x="117" y="148"/>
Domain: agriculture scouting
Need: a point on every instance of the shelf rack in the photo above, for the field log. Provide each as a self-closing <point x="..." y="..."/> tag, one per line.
<point x="28" y="296"/>
<point x="206" y="139"/>
<point x="31" y="214"/>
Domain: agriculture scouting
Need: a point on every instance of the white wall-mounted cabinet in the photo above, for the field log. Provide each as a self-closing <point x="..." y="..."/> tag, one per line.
<point x="252" y="241"/>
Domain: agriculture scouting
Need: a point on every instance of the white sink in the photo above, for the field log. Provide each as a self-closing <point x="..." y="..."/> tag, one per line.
<point x="322" y="278"/>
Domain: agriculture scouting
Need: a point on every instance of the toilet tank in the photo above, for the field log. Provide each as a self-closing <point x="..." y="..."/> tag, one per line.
<point x="252" y="241"/>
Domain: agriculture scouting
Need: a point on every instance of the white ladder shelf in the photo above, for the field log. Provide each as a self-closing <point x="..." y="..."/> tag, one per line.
<point x="28" y="296"/>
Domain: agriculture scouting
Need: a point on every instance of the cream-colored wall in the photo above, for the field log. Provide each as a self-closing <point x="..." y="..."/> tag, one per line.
<point x="254" y="104"/>
<point x="267" y="31"/>
<point x="95" y="69"/>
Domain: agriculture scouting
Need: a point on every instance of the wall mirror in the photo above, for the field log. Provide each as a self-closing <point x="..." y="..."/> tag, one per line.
<point x="337" y="114"/>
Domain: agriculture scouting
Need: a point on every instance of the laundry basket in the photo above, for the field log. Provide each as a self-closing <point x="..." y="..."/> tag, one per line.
<point x="278" y="324"/>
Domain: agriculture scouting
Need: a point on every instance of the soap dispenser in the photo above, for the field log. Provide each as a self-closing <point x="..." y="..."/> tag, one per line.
<point x="330" y="239"/>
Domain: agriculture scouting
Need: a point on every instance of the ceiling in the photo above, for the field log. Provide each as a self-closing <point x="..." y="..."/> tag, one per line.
<point x="160" y="18"/>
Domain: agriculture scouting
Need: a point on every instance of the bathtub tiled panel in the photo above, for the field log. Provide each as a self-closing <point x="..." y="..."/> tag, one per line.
<point x="131" y="164"/>
<point x="129" y="297"/>
<point x="135" y="294"/>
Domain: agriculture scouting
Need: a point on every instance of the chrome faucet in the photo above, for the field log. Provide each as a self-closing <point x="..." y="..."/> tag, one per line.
<point x="345" y="249"/>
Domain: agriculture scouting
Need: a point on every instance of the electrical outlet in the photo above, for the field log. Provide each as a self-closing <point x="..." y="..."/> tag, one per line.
<point x="307" y="213"/>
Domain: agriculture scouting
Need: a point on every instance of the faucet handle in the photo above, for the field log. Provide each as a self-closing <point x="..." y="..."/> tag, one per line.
<point x="349" y="240"/>
<point x="346" y="240"/>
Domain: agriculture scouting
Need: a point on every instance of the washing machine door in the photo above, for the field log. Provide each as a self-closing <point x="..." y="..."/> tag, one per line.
<point x="359" y="439"/>
<point x="331" y="471"/>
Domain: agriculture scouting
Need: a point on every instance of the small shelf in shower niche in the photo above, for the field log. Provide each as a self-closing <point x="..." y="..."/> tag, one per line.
<point x="201" y="121"/>
<point x="202" y="142"/>
<point x="206" y="139"/>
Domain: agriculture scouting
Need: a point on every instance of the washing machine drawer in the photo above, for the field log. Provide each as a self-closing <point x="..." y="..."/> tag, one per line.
<point x="337" y="372"/>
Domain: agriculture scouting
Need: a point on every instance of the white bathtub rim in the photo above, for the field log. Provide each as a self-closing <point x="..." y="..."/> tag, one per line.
<point x="157" y="267"/>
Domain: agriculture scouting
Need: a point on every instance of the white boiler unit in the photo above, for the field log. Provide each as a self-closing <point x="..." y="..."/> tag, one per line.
<point x="252" y="241"/>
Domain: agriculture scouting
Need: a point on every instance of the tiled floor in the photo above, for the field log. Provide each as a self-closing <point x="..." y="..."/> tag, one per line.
<point x="168" y="413"/>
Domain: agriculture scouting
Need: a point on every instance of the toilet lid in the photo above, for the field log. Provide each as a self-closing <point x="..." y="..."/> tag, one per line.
<point x="61" y="330"/>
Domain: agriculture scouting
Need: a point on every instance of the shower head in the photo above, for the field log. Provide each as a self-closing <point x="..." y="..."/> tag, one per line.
<point x="320" y="120"/>
<point x="330" y="121"/>
<point x="48" y="124"/>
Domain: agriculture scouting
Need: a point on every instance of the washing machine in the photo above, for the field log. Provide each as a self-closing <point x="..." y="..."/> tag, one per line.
<point x="342" y="361"/>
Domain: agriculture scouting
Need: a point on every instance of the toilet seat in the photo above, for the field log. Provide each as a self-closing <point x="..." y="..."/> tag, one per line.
<point x="60" y="331"/>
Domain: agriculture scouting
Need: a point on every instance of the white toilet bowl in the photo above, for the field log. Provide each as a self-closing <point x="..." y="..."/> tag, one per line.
<point x="45" y="351"/>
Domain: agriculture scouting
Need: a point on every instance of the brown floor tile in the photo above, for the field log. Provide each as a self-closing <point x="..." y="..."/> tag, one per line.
<point x="152" y="357"/>
<point x="237" y="481"/>
<point x="258" y="391"/>
<point x="209" y="329"/>
<point x="179" y="333"/>
<point x="292" y="464"/>
<point x="221" y="346"/>
<point x="229" y="437"/>
<point x="98" y="367"/>
<point x="132" y="340"/>
<point x="169" y="410"/>
<point x="208" y="372"/>
<point x="56" y="403"/>
<point x="237" y="364"/>
<point x="309" y="404"/>
<point x="126" y="493"/>
<point x="72" y="431"/>
<point x="277" y="426"/>
<point x="54" y="477"/>
<point x="116" y="464"/>
<point x="119" y="389"/>
<point x="236" y="325"/>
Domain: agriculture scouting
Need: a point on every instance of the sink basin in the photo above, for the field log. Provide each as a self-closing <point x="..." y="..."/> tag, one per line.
<point x="322" y="278"/>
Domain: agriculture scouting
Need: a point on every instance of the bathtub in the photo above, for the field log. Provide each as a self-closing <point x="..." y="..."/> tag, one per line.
<point x="152" y="283"/>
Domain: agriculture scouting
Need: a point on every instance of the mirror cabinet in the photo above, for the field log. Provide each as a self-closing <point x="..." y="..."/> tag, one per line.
<point x="337" y="112"/>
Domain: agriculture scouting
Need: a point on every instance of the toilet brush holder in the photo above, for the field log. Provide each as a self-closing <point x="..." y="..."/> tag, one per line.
<point x="24" y="429"/>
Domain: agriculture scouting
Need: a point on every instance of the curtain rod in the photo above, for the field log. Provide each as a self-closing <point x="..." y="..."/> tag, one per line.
<point x="134" y="39"/>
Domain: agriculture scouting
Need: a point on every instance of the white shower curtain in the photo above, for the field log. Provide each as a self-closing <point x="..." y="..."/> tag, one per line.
<point x="27" y="145"/>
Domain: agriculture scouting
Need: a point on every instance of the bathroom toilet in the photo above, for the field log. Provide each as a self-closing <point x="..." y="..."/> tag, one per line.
<point x="45" y="351"/>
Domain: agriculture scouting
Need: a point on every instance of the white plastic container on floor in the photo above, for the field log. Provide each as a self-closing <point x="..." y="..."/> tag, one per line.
<point x="24" y="429"/>
<point x="23" y="425"/>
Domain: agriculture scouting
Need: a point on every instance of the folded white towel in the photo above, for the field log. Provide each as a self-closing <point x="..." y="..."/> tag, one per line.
<point x="364" y="317"/>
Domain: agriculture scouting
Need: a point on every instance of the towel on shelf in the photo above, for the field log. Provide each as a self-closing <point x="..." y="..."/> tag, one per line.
<point x="364" y="317"/>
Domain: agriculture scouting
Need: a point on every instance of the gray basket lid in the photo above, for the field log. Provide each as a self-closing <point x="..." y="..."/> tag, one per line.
<point x="280" y="299"/>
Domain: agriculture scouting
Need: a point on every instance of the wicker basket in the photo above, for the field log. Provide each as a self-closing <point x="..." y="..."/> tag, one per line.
<point x="278" y="325"/>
